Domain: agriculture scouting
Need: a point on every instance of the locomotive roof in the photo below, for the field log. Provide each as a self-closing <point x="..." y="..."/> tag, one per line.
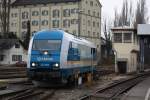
<point x="78" y="40"/>
<point x="60" y="34"/>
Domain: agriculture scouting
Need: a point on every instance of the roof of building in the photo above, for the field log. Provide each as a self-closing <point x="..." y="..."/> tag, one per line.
<point x="7" y="43"/>
<point x="124" y="28"/>
<point x="33" y="2"/>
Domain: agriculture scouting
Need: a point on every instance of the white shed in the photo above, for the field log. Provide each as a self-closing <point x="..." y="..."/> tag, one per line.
<point x="11" y="51"/>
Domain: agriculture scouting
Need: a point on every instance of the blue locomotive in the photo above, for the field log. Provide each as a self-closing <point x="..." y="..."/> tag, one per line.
<point x="58" y="57"/>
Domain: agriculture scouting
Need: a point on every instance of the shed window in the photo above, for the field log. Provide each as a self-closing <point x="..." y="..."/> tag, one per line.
<point x="127" y="37"/>
<point x="1" y="57"/>
<point x="118" y="37"/>
<point x="17" y="45"/>
<point x="16" y="57"/>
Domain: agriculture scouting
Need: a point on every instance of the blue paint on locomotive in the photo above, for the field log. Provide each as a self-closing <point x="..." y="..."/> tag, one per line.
<point x="37" y="56"/>
<point x="63" y="73"/>
<point x="46" y="34"/>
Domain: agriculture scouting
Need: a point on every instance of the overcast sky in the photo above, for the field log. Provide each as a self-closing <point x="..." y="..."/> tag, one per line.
<point x="108" y="7"/>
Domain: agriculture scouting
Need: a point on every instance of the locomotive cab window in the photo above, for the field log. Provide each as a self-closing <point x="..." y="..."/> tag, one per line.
<point x="53" y="45"/>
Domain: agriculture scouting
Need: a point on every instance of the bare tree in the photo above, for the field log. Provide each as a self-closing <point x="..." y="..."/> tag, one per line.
<point x="4" y="16"/>
<point x="116" y="20"/>
<point x="124" y="18"/>
<point x="141" y="11"/>
<point x="107" y="35"/>
<point x="27" y="37"/>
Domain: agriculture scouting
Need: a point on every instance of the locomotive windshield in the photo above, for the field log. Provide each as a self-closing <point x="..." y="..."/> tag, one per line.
<point x="53" y="45"/>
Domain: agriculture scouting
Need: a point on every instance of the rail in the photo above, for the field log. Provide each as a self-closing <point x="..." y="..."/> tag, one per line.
<point x="116" y="89"/>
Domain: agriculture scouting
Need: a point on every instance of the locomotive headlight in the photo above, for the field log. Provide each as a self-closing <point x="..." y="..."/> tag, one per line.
<point x="33" y="64"/>
<point x="45" y="52"/>
<point x="56" y="65"/>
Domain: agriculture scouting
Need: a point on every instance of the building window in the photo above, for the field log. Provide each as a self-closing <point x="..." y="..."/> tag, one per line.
<point x="66" y="23"/>
<point x="93" y="24"/>
<point x="74" y="21"/>
<point x="88" y="33"/>
<point x="56" y="13"/>
<point x="98" y="14"/>
<point x="74" y="32"/>
<point x="55" y="23"/>
<point x="91" y="3"/>
<point x="97" y="35"/>
<point x="66" y="12"/>
<point x="89" y="12"/>
<point x="127" y="37"/>
<point x="94" y="13"/>
<point x="1" y="57"/>
<point x="17" y="45"/>
<point x="118" y="37"/>
<point x="25" y="15"/>
<point x="24" y="24"/>
<point x="74" y="10"/>
<point x="88" y="23"/>
<point x="35" y="13"/>
<point x="67" y="31"/>
<point x="33" y="32"/>
<point x="84" y="22"/>
<point x="14" y="15"/>
<point x="45" y="22"/>
<point x="97" y="24"/>
<point x="13" y="24"/>
<point x="16" y="57"/>
<point x="24" y="34"/>
<point x="35" y="23"/>
<point x="94" y="35"/>
<point x="44" y="12"/>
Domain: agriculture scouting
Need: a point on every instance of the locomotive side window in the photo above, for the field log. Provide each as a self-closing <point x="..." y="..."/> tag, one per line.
<point x="85" y="52"/>
<point x="93" y="52"/>
<point x="73" y="52"/>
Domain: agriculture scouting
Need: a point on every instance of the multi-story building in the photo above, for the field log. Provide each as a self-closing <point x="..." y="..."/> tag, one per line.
<point x="126" y="47"/>
<point x="78" y="17"/>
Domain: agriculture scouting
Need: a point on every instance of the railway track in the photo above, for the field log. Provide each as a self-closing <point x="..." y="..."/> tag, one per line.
<point x="27" y="94"/>
<point x="9" y="72"/>
<point x="115" y="90"/>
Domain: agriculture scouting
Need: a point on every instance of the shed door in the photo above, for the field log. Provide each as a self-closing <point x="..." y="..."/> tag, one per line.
<point x="122" y="67"/>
